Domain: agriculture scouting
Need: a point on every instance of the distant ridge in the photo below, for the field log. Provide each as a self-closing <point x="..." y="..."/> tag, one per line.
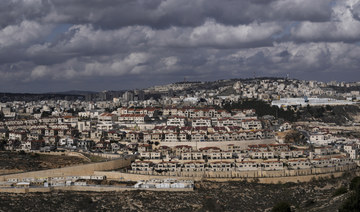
<point x="73" y="92"/>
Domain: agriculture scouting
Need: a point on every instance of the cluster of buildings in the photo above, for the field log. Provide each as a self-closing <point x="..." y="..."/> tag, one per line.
<point x="93" y="180"/>
<point x="72" y="125"/>
<point x="165" y="184"/>
<point x="51" y="181"/>
<point x="267" y="89"/>
<point x="232" y="158"/>
<point x="165" y="126"/>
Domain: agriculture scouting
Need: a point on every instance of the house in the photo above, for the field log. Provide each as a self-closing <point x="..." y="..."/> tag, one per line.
<point x="167" y="166"/>
<point x="193" y="166"/>
<point x="272" y="165"/>
<point x="320" y="138"/>
<point x="325" y="150"/>
<point x="68" y="142"/>
<point x="176" y="121"/>
<point x="214" y="155"/>
<point x="251" y="124"/>
<point x="155" y="155"/>
<point x="3" y="134"/>
<point x="285" y="126"/>
<point x="352" y="150"/>
<point x="261" y="154"/>
<point x="51" y="132"/>
<point x="51" y="140"/>
<point x="321" y="162"/>
<point x="26" y="145"/>
<point x="102" y="146"/>
<point x="219" y="166"/>
<point x="183" y="137"/>
<point x="341" y="160"/>
<point x="299" y="164"/>
<point x="144" y="148"/>
<point x="226" y="155"/>
<point x="20" y="136"/>
<point x="84" y="126"/>
<point x="133" y="118"/>
<point x="134" y="136"/>
<point x="165" y="150"/>
<point x="292" y="154"/>
<point x="197" y="137"/>
<point x="201" y="122"/>
<point x="115" y="135"/>
<point x="246" y="166"/>
<point x="71" y="120"/>
<point x="156" y="137"/>
<point x="225" y="122"/>
<point x="186" y="156"/>
<point x="145" y="155"/>
<point x="206" y="150"/>
<point x="85" y="144"/>
<point x="34" y="136"/>
<point x="182" y="148"/>
<point x="142" y="166"/>
<point x="233" y="148"/>
<point x="171" y="137"/>
<point x="106" y="121"/>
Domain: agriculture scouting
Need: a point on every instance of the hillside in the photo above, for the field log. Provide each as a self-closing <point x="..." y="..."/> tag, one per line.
<point x="208" y="196"/>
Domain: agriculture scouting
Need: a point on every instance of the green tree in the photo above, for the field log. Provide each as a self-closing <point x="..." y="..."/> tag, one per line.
<point x="262" y="108"/>
<point x="281" y="207"/>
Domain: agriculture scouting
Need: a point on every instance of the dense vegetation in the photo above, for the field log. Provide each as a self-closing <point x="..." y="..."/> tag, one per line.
<point x="353" y="203"/>
<point x="281" y="207"/>
<point x="263" y="108"/>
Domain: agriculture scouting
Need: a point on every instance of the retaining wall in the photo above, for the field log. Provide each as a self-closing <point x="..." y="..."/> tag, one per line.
<point x="301" y="175"/>
<point x="25" y="190"/>
<point x="87" y="188"/>
<point x="78" y="170"/>
<point x="114" y="188"/>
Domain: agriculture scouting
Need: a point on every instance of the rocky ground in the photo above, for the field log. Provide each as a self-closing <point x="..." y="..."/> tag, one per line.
<point x="208" y="196"/>
<point x="20" y="162"/>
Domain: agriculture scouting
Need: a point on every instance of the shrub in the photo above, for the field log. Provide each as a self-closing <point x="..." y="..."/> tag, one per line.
<point x="281" y="207"/>
<point x="339" y="191"/>
<point x="355" y="183"/>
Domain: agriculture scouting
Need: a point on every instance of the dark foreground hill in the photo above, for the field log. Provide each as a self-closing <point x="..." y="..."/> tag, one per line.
<point x="209" y="196"/>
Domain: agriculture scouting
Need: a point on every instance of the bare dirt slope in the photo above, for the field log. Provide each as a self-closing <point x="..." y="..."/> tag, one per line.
<point x="11" y="162"/>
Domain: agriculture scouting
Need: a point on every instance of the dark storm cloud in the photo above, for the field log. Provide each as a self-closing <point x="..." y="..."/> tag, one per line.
<point x="114" y="44"/>
<point x="356" y="11"/>
<point x="162" y="13"/>
<point x="15" y="11"/>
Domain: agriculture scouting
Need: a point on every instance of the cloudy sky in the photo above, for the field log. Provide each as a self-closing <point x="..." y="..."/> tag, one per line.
<point x="58" y="45"/>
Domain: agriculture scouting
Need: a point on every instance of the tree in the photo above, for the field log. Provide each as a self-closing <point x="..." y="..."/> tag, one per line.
<point x="281" y="207"/>
<point x="353" y="202"/>
<point x="294" y="137"/>
<point x="328" y="108"/>
<point x="262" y="108"/>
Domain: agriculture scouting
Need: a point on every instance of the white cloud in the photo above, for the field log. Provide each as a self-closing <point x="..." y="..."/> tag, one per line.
<point x="24" y="33"/>
<point x="342" y="27"/>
